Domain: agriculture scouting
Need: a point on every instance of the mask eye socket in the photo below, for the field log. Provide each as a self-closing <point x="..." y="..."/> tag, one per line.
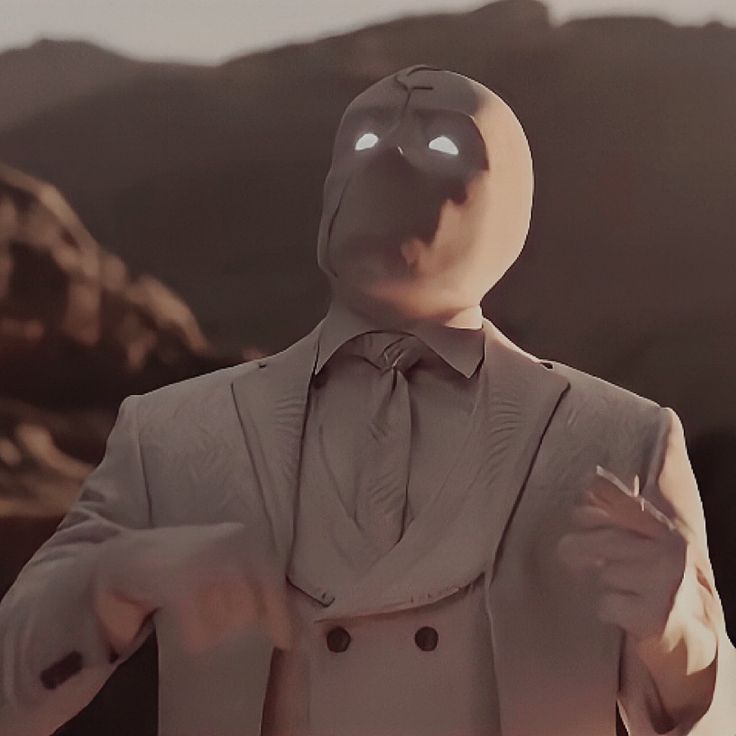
<point x="367" y="140"/>
<point x="443" y="144"/>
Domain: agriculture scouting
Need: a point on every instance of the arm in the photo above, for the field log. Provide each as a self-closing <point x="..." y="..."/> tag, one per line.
<point x="53" y="655"/>
<point x="696" y="673"/>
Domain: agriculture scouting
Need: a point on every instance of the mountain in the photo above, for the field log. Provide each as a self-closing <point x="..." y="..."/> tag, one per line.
<point x="49" y="73"/>
<point x="209" y="179"/>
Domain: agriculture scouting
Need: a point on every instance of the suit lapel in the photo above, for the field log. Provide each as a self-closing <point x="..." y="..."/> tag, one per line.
<point x="456" y="536"/>
<point x="272" y="402"/>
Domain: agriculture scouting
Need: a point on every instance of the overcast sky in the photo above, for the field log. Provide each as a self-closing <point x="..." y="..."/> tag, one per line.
<point x="213" y="30"/>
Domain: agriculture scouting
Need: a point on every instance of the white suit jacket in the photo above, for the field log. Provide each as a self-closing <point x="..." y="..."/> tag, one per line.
<point x="224" y="446"/>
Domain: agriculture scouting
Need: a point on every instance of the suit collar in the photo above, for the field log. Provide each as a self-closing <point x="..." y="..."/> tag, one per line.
<point x="461" y="348"/>
<point x="521" y="394"/>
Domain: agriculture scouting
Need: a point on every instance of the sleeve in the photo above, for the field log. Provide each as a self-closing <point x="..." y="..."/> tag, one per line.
<point x="53" y="656"/>
<point x="672" y="487"/>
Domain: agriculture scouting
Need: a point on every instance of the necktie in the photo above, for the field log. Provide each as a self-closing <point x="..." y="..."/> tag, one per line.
<point x="383" y="464"/>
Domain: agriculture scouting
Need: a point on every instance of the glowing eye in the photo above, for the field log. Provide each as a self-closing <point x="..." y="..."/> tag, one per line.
<point x="444" y="144"/>
<point x="367" y="140"/>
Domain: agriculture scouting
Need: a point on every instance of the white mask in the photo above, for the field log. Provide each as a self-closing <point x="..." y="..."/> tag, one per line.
<point x="428" y="199"/>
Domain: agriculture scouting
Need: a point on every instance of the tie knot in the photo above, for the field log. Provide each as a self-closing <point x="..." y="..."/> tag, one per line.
<point x="387" y="350"/>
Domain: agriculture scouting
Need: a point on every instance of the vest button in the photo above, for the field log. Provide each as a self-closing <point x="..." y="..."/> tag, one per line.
<point x="426" y="638"/>
<point x="338" y="639"/>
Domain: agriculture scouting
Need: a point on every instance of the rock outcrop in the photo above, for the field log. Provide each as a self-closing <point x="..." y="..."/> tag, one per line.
<point x="78" y="332"/>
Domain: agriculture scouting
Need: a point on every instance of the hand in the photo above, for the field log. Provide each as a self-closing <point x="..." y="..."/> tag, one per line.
<point x="213" y="578"/>
<point x="636" y="555"/>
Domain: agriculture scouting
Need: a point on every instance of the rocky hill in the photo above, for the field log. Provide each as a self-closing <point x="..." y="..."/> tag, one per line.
<point x="77" y="334"/>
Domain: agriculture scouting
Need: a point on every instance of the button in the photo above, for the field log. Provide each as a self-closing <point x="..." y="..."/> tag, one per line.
<point x="426" y="638"/>
<point x="62" y="670"/>
<point x="338" y="639"/>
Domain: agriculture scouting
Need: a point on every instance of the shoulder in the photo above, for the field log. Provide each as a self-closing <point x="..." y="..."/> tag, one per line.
<point x="591" y="392"/>
<point x="209" y="396"/>
<point x="587" y="395"/>
<point x="609" y="424"/>
<point x="599" y="411"/>
<point x="190" y="402"/>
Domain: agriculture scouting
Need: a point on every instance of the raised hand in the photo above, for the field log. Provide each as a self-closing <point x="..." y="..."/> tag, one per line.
<point x="635" y="553"/>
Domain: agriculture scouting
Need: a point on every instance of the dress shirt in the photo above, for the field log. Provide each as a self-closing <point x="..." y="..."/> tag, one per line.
<point x="442" y="391"/>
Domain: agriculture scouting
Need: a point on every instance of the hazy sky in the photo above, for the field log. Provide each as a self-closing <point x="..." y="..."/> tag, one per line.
<point x="212" y="30"/>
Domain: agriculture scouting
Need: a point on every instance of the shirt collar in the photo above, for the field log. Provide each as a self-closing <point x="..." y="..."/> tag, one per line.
<point x="460" y="347"/>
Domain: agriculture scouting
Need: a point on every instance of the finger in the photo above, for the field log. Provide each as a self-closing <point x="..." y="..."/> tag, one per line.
<point x="277" y="613"/>
<point x="175" y="597"/>
<point x="229" y="609"/>
<point x="120" y="618"/>
<point x="214" y="604"/>
<point x="588" y="516"/>
<point x="582" y="549"/>
<point x="236" y="611"/>
<point x="238" y="593"/>
<point x="624" y="577"/>
<point x="632" y="512"/>
<point x="616" y="481"/>
<point x="244" y="608"/>
<point x="206" y="611"/>
<point x="244" y="602"/>
<point x="193" y="634"/>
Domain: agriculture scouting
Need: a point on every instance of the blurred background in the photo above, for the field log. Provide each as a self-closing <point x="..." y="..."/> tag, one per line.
<point x="149" y="153"/>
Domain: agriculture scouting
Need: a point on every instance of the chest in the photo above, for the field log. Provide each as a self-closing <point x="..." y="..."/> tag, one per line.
<point x="336" y="464"/>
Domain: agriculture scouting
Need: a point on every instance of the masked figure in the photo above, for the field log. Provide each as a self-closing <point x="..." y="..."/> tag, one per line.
<point x="403" y="524"/>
